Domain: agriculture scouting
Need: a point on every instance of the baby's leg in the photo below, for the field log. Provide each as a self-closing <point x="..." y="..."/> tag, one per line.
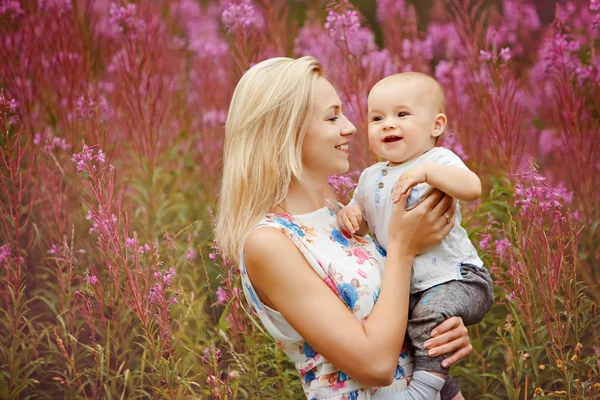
<point x="469" y="298"/>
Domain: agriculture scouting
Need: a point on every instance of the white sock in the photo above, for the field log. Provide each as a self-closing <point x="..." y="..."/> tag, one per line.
<point x="424" y="386"/>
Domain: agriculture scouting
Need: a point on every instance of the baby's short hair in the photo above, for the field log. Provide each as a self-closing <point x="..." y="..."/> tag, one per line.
<point x="437" y="89"/>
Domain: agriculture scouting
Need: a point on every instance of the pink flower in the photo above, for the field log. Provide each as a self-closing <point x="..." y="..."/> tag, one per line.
<point x="4" y="253"/>
<point x="91" y="279"/>
<point x="331" y="285"/>
<point x="501" y="246"/>
<point x="222" y="296"/>
<point x="485" y="55"/>
<point x="241" y="15"/>
<point x="360" y="253"/>
<point x="191" y="255"/>
<point x="484" y="243"/>
<point x="52" y="249"/>
<point x="505" y="54"/>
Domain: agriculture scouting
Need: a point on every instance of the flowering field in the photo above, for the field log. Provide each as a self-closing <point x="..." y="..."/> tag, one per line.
<point x="111" y="131"/>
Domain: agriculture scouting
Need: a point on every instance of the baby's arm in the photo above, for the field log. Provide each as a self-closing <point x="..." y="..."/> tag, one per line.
<point x="458" y="182"/>
<point x="351" y="219"/>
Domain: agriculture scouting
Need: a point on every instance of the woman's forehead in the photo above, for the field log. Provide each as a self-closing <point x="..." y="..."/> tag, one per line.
<point x="325" y="94"/>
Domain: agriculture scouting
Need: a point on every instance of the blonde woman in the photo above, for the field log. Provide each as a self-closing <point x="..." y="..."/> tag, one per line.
<point x="318" y="290"/>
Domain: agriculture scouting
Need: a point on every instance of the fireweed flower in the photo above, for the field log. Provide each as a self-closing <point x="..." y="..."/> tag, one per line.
<point x="222" y="296"/>
<point x="86" y="158"/>
<point x="346" y="32"/>
<point x="214" y="118"/>
<point x="4" y="253"/>
<point x="391" y="10"/>
<point x="11" y="7"/>
<point x="501" y="246"/>
<point x="241" y="16"/>
<point x="53" y="249"/>
<point x="91" y="279"/>
<point x="190" y="255"/>
<point x="539" y="196"/>
<point x="484" y="242"/>
<point x="485" y="55"/>
<point x="54" y="5"/>
<point x="505" y="54"/>
<point x="126" y="19"/>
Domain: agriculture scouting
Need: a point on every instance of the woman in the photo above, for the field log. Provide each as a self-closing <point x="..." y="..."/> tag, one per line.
<point x="318" y="290"/>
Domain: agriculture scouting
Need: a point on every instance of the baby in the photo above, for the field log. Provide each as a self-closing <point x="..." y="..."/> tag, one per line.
<point x="406" y="117"/>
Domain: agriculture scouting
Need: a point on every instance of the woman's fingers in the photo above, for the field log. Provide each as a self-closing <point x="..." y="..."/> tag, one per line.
<point x="451" y="336"/>
<point x="458" y="355"/>
<point x="433" y="199"/>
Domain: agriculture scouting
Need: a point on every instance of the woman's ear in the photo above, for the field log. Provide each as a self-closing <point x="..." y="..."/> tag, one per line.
<point x="439" y="125"/>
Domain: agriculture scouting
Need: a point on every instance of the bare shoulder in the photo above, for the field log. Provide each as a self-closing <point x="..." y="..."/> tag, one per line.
<point x="274" y="265"/>
<point x="264" y="244"/>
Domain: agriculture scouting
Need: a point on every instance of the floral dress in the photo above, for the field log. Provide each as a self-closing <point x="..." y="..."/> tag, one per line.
<point x="351" y="266"/>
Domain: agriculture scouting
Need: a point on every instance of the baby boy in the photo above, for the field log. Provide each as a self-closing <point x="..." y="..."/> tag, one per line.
<point x="406" y="117"/>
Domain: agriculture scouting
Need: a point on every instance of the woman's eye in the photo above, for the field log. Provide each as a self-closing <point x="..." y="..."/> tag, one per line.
<point x="334" y="118"/>
<point x="402" y="114"/>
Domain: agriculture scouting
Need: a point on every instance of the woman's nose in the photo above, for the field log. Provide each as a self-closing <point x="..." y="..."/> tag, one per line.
<point x="349" y="128"/>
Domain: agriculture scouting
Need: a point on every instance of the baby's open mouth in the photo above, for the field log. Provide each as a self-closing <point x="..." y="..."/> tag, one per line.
<point x="392" y="138"/>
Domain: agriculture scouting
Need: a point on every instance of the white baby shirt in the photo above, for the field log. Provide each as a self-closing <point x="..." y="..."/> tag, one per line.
<point x="373" y="196"/>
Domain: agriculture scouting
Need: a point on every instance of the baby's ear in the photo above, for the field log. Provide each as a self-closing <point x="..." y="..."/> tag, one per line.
<point x="439" y="125"/>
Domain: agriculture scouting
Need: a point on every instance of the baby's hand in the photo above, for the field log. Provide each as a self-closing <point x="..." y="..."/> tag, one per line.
<point x="349" y="218"/>
<point x="410" y="178"/>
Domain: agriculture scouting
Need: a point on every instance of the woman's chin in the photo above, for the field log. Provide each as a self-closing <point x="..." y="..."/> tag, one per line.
<point x="343" y="168"/>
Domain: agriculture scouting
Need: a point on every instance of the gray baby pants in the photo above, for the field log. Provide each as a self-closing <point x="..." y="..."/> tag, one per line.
<point x="469" y="298"/>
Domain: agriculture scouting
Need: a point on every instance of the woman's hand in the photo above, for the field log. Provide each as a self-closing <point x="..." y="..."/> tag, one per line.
<point x="450" y="336"/>
<point x="423" y="227"/>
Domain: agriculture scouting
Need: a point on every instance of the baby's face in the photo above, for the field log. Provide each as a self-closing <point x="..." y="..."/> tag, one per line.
<point x="402" y="117"/>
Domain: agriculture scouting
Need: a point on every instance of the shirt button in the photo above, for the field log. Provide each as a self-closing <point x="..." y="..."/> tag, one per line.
<point x="380" y="185"/>
<point x="384" y="172"/>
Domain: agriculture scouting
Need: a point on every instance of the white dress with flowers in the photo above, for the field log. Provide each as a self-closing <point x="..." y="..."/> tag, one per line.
<point x="350" y="266"/>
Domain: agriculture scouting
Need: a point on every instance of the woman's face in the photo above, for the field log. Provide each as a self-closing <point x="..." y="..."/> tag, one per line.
<point x="325" y="148"/>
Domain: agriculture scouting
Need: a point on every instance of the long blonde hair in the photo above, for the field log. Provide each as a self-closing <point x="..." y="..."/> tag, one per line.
<point x="265" y="128"/>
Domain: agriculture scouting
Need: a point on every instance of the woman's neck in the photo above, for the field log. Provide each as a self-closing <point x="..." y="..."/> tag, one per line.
<point x="307" y="195"/>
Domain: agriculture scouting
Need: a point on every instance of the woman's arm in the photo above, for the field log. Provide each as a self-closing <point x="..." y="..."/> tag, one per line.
<point x="367" y="352"/>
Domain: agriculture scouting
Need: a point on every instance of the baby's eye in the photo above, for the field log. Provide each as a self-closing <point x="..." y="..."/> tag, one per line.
<point x="376" y="119"/>
<point x="402" y="114"/>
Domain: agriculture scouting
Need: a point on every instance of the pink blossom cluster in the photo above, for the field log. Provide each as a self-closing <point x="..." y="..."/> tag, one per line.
<point x="391" y="10"/>
<point x="49" y="141"/>
<point x="157" y="292"/>
<point x="345" y="31"/>
<point x="445" y="41"/>
<point x="11" y="7"/>
<point x="125" y="19"/>
<point x="489" y="56"/>
<point x="4" y="254"/>
<point x="54" y="5"/>
<point x="86" y="158"/>
<point x="520" y="19"/>
<point x="241" y="16"/>
<point x="539" y="197"/>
